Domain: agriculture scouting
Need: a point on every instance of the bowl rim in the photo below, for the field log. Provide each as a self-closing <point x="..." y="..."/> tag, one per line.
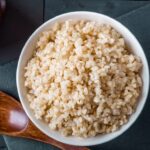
<point x="32" y="118"/>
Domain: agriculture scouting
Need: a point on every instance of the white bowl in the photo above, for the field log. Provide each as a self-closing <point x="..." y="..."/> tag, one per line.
<point x="27" y="53"/>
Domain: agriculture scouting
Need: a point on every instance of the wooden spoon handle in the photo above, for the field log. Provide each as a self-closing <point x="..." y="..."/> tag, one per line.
<point x="14" y="122"/>
<point x="33" y="132"/>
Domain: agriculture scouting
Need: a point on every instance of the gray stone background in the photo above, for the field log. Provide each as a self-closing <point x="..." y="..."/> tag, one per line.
<point x="22" y="17"/>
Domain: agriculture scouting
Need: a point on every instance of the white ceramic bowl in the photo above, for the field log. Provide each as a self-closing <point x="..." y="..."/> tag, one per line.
<point x="27" y="53"/>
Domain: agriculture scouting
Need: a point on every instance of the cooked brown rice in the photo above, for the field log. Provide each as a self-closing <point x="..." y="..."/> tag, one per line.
<point x="82" y="80"/>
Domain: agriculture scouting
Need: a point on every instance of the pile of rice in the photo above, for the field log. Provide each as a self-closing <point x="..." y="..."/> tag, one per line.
<point x="82" y="80"/>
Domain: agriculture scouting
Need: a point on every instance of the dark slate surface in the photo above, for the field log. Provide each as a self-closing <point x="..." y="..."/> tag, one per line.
<point x="111" y="8"/>
<point x="2" y="144"/>
<point x="25" y="144"/>
<point x="133" y="14"/>
<point x="22" y="17"/>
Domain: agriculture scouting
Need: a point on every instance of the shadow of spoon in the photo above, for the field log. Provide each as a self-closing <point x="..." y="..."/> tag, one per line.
<point x="14" y="122"/>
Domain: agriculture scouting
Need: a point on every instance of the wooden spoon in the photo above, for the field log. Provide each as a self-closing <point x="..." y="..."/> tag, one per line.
<point x="14" y="122"/>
